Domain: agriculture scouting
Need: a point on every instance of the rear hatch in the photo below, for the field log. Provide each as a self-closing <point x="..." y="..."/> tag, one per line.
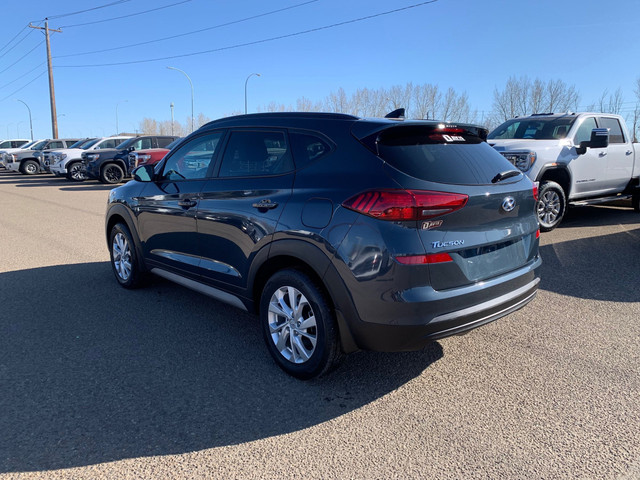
<point x="476" y="213"/>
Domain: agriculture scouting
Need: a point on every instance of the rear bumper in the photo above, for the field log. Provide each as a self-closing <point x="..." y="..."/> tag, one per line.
<point x="407" y="326"/>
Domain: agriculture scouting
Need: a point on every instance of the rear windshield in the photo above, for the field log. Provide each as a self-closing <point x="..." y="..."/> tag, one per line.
<point x="553" y="128"/>
<point x="451" y="155"/>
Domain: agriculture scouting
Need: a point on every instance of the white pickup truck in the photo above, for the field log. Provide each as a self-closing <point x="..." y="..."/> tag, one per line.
<point x="577" y="158"/>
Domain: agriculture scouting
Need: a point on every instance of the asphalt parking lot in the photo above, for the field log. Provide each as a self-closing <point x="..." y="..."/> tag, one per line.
<point x="100" y="382"/>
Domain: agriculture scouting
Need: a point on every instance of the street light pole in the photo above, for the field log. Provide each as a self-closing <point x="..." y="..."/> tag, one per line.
<point x="30" y="124"/>
<point x="245" y="90"/>
<point x="117" y="129"/>
<point x="8" y="136"/>
<point x="171" y="118"/>
<point x="190" y="83"/>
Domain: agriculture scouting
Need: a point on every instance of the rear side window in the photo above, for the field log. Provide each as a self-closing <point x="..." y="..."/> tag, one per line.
<point x="615" y="132"/>
<point x="454" y="155"/>
<point x="164" y="141"/>
<point x="307" y="148"/>
<point x="142" y="143"/>
<point x="252" y="153"/>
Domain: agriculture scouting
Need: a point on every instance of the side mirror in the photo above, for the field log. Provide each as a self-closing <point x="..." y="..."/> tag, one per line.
<point x="131" y="148"/>
<point x="144" y="173"/>
<point x="599" y="139"/>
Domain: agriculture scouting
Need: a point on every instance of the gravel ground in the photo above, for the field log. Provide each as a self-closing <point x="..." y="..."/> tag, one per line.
<point x="100" y="382"/>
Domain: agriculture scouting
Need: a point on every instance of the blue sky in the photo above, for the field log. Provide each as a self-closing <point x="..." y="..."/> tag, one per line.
<point x="472" y="46"/>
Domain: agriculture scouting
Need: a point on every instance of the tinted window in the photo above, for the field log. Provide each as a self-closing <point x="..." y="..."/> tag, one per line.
<point x="615" y="132"/>
<point x="90" y="143"/>
<point x="307" y="148"/>
<point x="256" y="153"/>
<point x="110" y="143"/>
<point x="55" y="145"/>
<point x="39" y="145"/>
<point x="164" y="141"/>
<point x="191" y="161"/>
<point x="584" y="131"/>
<point x="550" y="128"/>
<point x="456" y="155"/>
<point x="142" y="143"/>
<point x="6" y="144"/>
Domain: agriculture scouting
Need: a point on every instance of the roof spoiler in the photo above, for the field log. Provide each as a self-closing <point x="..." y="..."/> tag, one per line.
<point x="396" y="114"/>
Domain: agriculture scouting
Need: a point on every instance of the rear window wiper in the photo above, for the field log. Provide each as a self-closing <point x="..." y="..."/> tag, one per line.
<point x="504" y="175"/>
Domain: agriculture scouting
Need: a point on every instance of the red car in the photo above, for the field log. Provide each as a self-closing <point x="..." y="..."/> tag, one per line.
<point x="150" y="156"/>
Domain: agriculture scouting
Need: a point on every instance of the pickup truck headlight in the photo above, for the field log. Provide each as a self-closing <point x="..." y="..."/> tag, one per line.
<point x="93" y="156"/>
<point x="522" y="160"/>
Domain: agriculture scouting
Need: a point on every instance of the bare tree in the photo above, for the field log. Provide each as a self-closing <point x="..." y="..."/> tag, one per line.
<point x="148" y="126"/>
<point x="636" y="111"/>
<point x="427" y="100"/>
<point x="521" y="96"/>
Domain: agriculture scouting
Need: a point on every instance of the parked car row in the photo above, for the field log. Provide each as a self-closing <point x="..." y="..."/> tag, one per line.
<point x="106" y="159"/>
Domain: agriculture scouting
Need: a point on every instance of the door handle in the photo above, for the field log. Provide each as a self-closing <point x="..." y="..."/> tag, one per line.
<point x="628" y="152"/>
<point x="602" y="154"/>
<point x="187" y="203"/>
<point x="265" y="204"/>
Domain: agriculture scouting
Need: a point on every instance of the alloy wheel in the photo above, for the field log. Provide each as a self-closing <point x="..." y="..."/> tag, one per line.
<point x="292" y="324"/>
<point x="549" y="207"/>
<point x="121" y="256"/>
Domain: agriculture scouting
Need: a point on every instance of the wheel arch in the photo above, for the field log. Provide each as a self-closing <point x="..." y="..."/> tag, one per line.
<point x="119" y="214"/>
<point x="559" y="174"/>
<point x="289" y="254"/>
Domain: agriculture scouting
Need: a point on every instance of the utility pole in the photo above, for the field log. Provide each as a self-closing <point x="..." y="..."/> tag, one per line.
<point x="52" y="94"/>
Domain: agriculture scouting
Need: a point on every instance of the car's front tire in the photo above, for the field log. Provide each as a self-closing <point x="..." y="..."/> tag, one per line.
<point x="124" y="258"/>
<point x="111" y="173"/>
<point x="75" y="173"/>
<point x="298" y="325"/>
<point x="551" y="206"/>
<point x="29" y="167"/>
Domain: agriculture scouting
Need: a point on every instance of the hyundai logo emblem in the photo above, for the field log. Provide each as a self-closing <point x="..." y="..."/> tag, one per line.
<point x="508" y="204"/>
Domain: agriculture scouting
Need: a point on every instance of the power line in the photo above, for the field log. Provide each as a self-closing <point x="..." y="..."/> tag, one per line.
<point x="52" y="17"/>
<point x="22" y="57"/>
<point x="17" y="43"/>
<point x="22" y="87"/>
<point x="256" y="42"/>
<point x="189" y="33"/>
<point x="16" y="36"/>
<point x="126" y="16"/>
<point x="21" y="76"/>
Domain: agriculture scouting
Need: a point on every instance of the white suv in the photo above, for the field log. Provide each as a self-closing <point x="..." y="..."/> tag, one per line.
<point x="68" y="162"/>
<point x="8" y="151"/>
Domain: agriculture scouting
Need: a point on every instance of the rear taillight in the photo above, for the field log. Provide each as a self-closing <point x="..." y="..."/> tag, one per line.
<point x="405" y="205"/>
<point x="425" y="259"/>
<point x="535" y="191"/>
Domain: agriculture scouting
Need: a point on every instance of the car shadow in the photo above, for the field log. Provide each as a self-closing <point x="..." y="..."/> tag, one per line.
<point x="616" y="213"/>
<point x="605" y="267"/>
<point x="44" y="180"/>
<point x="92" y="373"/>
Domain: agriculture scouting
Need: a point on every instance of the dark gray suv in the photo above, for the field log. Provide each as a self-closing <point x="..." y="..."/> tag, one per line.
<point x="342" y="233"/>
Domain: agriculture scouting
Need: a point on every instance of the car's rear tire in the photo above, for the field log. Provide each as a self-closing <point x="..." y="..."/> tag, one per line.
<point x="551" y="206"/>
<point x="74" y="172"/>
<point x="29" y="167"/>
<point x="299" y="326"/>
<point x="124" y="258"/>
<point x="111" y="173"/>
